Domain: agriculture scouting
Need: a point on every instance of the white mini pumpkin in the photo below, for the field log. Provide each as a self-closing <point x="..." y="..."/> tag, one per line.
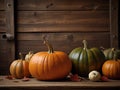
<point x="29" y="56"/>
<point x="94" y="76"/>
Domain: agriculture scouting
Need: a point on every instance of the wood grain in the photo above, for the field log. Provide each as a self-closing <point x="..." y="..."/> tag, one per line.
<point x="2" y="5"/>
<point x="59" y="5"/>
<point x="62" y="21"/>
<point x="60" y="41"/>
<point x="2" y="21"/>
<point x="34" y="84"/>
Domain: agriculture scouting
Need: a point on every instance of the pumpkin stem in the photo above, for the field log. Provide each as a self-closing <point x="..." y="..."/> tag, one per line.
<point x="85" y="44"/>
<point x="50" y="48"/>
<point x="21" y="56"/>
<point x="115" y="56"/>
<point x="30" y="52"/>
<point x="113" y="49"/>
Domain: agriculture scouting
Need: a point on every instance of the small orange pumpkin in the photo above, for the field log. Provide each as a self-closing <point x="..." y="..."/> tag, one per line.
<point x="111" y="68"/>
<point x="19" y="68"/>
<point x="51" y="65"/>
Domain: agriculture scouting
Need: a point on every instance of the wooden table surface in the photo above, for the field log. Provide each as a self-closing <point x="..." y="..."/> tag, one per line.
<point x="57" y="85"/>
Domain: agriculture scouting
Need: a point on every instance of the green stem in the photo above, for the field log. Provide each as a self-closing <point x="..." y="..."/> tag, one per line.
<point x="21" y="56"/>
<point x="85" y="44"/>
<point x="114" y="54"/>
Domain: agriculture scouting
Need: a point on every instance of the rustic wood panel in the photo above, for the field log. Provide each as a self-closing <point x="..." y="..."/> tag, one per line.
<point x="7" y="45"/>
<point x="2" y="16"/>
<point x="10" y="27"/>
<point x="65" y="84"/>
<point x="114" y="22"/>
<point x="60" y="41"/>
<point x="4" y="57"/>
<point x="63" y="5"/>
<point x="62" y="21"/>
<point x="2" y="5"/>
<point x="2" y="28"/>
<point x="33" y="84"/>
<point x="2" y="21"/>
<point x="4" y="48"/>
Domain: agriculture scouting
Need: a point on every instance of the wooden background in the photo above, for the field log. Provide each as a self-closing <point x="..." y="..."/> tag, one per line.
<point x="65" y="23"/>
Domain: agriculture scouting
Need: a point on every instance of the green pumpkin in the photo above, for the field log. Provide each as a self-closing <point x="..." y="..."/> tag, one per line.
<point x="109" y="53"/>
<point x="85" y="60"/>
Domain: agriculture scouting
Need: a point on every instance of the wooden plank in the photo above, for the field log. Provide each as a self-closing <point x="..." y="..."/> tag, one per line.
<point x="10" y="17"/>
<point x="60" y="41"/>
<point x="62" y="21"/>
<point x="5" y="57"/>
<point x="62" y="5"/>
<point x="2" y="29"/>
<point x="7" y="46"/>
<point x="2" y="18"/>
<point x="33" y="84"/>
<point x="114" y="23"/>
<point x="2" y="5"/>
<point x="2" y="21"/>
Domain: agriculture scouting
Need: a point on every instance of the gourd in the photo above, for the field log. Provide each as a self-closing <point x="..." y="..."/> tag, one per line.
<point x="111" y="68"/>
<point x="109" y="53"/>
<point x="94" y="75"/>
<point x="29" y="55"/>
<point x="50" y="65"/>
<point x="85" y="60"/>
<point x="19" y="68"/>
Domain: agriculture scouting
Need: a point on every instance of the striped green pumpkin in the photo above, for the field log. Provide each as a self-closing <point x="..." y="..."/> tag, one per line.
<point x="85" y="60"/>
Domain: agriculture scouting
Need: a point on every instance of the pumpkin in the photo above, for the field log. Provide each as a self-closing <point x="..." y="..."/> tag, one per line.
<point x="111" y="68"/>
<point x="109" y="53"/>
<point x="94" y="75"/>
<point x="50" y="65"/>
<point x="29" y="55"/>
<point x="85" y="60"/>
<point x="19" y="68"/>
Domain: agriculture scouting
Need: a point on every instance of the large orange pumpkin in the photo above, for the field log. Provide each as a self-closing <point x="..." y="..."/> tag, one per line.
<point x="19" y="68"/>
<point x="111" y="68"/>
<point x="51" y="65"/>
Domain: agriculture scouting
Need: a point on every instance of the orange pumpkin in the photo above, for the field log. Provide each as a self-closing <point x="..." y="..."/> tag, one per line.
<point x="111" y="68"/>
<point x="19" y="68"/>
<point x="51" y="65"/>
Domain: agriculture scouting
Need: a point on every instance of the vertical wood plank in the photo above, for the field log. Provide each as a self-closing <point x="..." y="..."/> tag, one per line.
<point x="114" y="23"/>
<point x="10" y="27"/>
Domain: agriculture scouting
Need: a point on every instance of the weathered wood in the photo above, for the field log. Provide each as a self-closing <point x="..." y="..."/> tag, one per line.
<point x="7" y="45"/>
<point x="10" y="17"/>
<point x="2" y="21"/>
<point x="114" y="23"/>
<point x="33" y="84"/>
<point x="2" y="5"/>
<point x="5" y="56"/>
<point x="2" y="18"/>
<point x="62" y="21"/>
<point x="61" y="41"/>
<point x="10" y="27"/>
<point x="63" y="5"/>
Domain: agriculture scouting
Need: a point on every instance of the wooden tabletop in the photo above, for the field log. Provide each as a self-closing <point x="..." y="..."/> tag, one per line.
<point x="57" y="85"/>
